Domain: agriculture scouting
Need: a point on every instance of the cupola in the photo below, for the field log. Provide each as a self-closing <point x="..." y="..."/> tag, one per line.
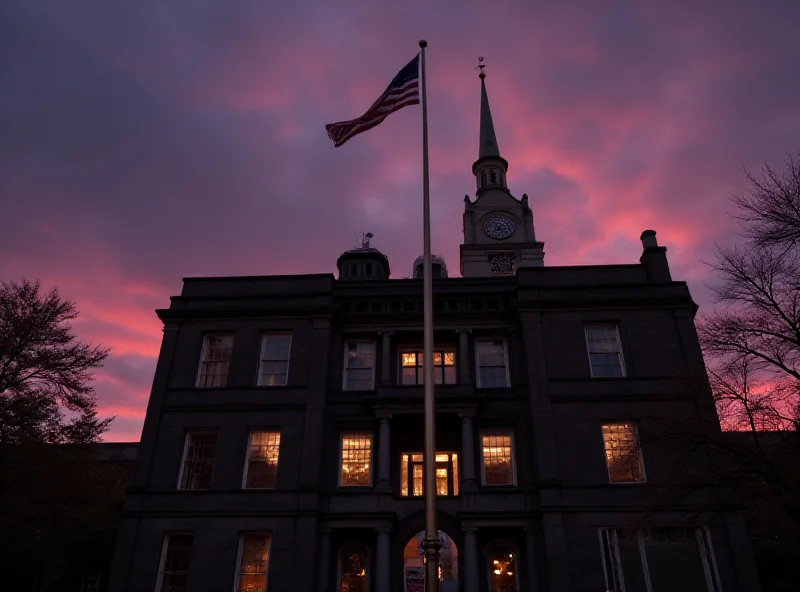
<point x="363" y="263"/>
<point x="438" y="267"/>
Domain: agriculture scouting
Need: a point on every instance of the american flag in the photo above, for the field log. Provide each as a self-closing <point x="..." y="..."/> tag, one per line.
<point x="402" y="91"/>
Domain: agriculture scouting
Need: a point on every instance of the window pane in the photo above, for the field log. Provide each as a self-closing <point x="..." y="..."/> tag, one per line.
<point x="356" y="457"/>
<point x="492" y="372"/>
<point x="353" y="569"/>
<point x="198" y="461"/>
<point x="419" y="479"/>
<point x="254" y="563"/>
<point x="359" y="365"/>
<point x="274" y="366"/>
<point x="605" y="358"/>
<point x="262" y="466"/>
<point x="409" y="376"/>
<point x="668" y="547"/>
<point x="216" y="360"/>
<point x="404" y="475"/>
<point x="622" y="453"/>
<point x="441" y="481"/>
<point x="503" y="570"/>
<point x="177" y="555"/>
<point x="497" y="459"/>
<point x="455" y="474"/>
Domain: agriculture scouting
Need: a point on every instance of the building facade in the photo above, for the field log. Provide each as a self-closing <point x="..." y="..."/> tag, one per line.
<point x="282" y="447"/>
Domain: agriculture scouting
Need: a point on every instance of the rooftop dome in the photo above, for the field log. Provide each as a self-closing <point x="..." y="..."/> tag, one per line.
<point x="363" y="263"/>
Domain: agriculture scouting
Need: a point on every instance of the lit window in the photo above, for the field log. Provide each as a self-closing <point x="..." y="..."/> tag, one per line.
<point x="359" y="365"/>
<point x="198" y="460"/>
<point x="262" y="460"/>
<point x="253" y="563"/>
<point x="444" y="367"/>
<point x="502" y="569"/>
<point x="412" y="474"/>
<point x="498" y="459"/>
<point x="175" y="558"/>
<point x="623" y="453"/>
<point x="215" y="360"/>
<point x="356" y="460"/>
<point x="274" y="365"/>
<point x="353" y="569"/>
<point x="605" y="353"/>
<point x="492" y="363"/>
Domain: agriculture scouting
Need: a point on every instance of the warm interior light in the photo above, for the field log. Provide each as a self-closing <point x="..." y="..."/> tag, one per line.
<point x="498" y="572"/>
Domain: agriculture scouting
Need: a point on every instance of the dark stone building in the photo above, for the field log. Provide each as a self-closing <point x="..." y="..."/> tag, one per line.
<point x="282" y="447"/>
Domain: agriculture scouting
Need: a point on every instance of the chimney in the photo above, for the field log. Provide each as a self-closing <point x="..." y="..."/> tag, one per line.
<point x="654" y="259"/>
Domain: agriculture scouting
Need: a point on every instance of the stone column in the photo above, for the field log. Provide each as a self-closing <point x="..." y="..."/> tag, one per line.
<point x="384" y="451"/>
<point x="462" y="361"/>
<point x="471" y="570"/>
<point x="468" y="482"/>
<point x="530" y="555"/>
<point x="386" y="358"/>
<point x="323" y="574"/>
<point x="382" y="560"/>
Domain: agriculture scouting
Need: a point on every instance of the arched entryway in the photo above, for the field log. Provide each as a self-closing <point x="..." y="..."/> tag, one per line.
<point x="414" y="568"/>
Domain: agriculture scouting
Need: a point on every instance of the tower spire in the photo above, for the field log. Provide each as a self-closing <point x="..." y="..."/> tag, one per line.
<point x="488" y="140"/>
<point x="490" y="168"/>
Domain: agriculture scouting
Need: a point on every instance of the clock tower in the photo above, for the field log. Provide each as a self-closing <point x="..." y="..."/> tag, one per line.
<point x="498" y="227"/>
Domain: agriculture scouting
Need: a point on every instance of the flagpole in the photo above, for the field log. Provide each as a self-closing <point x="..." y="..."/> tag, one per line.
<point x="432" y="544"/>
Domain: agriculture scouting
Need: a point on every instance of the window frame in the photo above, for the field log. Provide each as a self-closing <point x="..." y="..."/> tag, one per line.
<point x="204" y="350"/>
<point x="620" y="356"/>
<point x="163" y="558"/>
<point x="615" y="577"/>
<point x="238" y="566"/>
<point x="246" y="470"/>
<point x="347" y="343"/>
<point x="479" y="340"/>
<point x="351" y="434"/>
<point x="263" y="337"/>
<point x="420" y="350"/>
<point x="187" y="436"/>
<point x="637" y="440"/>
<point x="499" y="432"/>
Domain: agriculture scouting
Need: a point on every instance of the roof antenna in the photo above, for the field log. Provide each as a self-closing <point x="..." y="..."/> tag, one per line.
<point x="480" y="67"/>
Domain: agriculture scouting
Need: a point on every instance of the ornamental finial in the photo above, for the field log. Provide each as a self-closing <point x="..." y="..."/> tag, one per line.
<point x="480" y="67"/>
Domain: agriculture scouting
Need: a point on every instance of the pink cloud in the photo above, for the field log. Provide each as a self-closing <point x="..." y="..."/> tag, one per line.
<point x="151" y="141"/>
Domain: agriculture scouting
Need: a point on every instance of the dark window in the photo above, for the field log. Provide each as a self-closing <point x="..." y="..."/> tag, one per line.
<point x="198" y="460"/>
<point x="175" y="560"/>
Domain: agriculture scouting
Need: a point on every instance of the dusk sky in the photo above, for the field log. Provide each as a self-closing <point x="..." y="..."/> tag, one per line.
<point x="150" y="140"/>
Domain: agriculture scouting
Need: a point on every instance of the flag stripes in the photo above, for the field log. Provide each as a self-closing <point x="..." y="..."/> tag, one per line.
<point x="401" y="92"/>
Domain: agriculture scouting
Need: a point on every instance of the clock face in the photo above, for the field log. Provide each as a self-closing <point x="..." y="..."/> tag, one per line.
<point x="499" y="227"/>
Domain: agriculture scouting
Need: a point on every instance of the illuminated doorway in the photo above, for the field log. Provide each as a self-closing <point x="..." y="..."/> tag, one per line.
<point x="414" y="568"/>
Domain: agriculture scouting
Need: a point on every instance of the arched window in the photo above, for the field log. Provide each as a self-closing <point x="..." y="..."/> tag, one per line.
<point x="353" y="563"/>
<point x="502" y="568"/>
<point x="493" y="177"/>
